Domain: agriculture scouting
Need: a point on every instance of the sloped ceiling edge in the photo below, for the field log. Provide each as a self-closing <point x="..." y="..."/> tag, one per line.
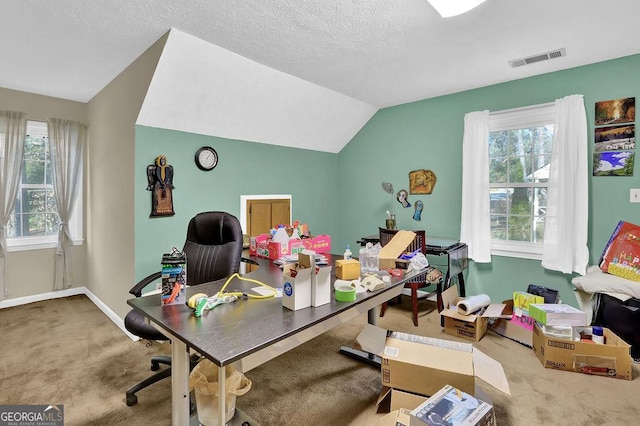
<point x="202" y="88"/>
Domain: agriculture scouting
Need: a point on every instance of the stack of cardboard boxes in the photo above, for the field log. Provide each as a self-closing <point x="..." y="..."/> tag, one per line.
<point x="561" y="338"/>
<point x="429" y="381"/>
<point x="414" y="368"/>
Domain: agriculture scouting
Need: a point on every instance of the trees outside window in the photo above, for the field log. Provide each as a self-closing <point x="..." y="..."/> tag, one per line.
<point x="520" y="146"/>
<point x="35" y="213"/>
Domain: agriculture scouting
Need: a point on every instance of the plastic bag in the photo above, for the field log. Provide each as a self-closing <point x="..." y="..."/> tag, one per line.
<point x="373" y="257"/>
<point x="419" y="261"/>
<point x="204" y="379"/>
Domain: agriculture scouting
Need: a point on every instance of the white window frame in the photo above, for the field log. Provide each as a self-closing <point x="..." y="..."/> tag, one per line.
<point x="51" y="241"/>
<point x="520" y="118"/>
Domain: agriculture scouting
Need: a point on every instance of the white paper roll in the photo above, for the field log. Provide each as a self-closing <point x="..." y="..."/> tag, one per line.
<point x="473" y="303"/>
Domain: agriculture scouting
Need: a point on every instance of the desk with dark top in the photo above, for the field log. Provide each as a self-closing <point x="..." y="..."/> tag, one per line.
<point x="248" y="333"/>
<point x="457" y="260"/>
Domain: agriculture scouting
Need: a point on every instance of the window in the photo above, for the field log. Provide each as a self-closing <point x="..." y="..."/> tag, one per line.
<point x="34" y="223"/>
<point x="520" y="143"/>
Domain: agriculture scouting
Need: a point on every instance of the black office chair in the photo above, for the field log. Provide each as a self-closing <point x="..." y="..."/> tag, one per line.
<point x="214" y="251"/>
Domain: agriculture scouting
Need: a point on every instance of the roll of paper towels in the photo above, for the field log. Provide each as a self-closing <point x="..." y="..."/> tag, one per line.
<point x="473" y="303"/>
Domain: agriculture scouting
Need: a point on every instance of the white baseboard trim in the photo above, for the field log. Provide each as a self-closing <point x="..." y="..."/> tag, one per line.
<point x="18" y="301"/>
<point x="119" y="322"/>
<point x="109" y="313"/>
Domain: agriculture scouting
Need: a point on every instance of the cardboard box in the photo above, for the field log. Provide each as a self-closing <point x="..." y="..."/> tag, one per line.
<point x="613" y="359"/>
<point x="515" y="323"/>
<point x="393" y="399"/>
<point x="320" y="278"/>
<point x="296" y="289"/>
<point x="522" y="300"/>
<point x="451" y="406"/>
<point x="471" y="327"/>
<point x="518" y="329"/>
<point x="262" y="246"/>
<point x="399" y="417"/>
<point x="394" y="248"/>
<point x="557" y="314"/>
<point x="423" y="365"/>
<point x="321" y="287"/>
<point x="347" y="269"/>
<point x="319" y="243"/>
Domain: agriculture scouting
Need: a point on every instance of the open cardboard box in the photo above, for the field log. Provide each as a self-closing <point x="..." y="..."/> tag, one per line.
<point x="262" y="246"/>
<point x="393" y="399"/>
<point x="394" y="248"/>
<point x="400" y="417"/>
<point x="515" y="323"/>
<point x="423" y="365"/>
<point x="471" y="327"/>
<point x="612" y="359"/>
<point x="296" y="288"/>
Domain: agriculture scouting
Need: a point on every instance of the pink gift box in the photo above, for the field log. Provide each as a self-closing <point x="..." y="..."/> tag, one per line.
<point x="262" y="246"/>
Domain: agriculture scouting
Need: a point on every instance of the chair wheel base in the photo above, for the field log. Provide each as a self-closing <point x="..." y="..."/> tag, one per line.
<point x="132" y="400"/>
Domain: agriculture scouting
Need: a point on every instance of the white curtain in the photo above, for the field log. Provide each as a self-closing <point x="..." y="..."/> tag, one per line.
<point x="565" y="231"/>
<point x="67" y="140"/>
<point x="475" y="226"/>
<point x="13" y="129"/>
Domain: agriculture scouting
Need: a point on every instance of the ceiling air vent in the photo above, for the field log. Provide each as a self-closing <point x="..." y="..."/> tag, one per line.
<point x="537" y="58"/>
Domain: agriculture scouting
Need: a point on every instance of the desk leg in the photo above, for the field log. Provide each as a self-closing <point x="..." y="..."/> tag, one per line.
<point x="461" y="284"/>
<point x="369" y="358"/>
<point x="179" y="383"/>
<point x="372" y="316"/>
<point x="222" y="378"/>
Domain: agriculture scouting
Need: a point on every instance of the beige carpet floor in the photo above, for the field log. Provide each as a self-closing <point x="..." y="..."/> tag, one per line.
<point x="65" y="351"/>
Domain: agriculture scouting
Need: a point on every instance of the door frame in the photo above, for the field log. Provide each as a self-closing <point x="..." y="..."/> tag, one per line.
<point x="245" y="198"/>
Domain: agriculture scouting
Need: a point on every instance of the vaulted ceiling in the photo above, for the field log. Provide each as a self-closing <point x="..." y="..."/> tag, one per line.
<point x="362" y="54"/>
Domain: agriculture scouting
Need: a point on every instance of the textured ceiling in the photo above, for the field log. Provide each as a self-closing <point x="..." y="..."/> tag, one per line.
<point x="201" y="88"/>
<point x="381" y="52"/>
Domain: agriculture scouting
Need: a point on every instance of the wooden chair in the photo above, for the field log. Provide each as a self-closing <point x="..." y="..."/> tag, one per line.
<point x="419" y="243"/>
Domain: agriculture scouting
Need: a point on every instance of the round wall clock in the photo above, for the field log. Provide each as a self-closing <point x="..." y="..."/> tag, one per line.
<point x="206" y="158"/>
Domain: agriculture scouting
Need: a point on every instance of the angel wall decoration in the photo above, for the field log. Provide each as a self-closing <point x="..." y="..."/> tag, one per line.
<point x="160" y="183"/>
<point x="417" y="215"/>
<point x="401" y="196"/>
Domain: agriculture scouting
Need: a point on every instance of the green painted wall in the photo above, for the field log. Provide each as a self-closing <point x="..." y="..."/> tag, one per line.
<point x="341" y="194"/>
<point x="244" y="168"/>
<point x="428" y="135"/>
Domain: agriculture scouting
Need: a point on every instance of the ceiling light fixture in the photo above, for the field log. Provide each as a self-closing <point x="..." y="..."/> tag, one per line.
<point x="448" y="8"/>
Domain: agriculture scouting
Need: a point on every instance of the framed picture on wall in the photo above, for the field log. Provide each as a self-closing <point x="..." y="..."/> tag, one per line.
<point x="615" y="111"/>
<point x="613" y="138"/>
<point x="421" y="181"/>
<point x="613" y="163"/>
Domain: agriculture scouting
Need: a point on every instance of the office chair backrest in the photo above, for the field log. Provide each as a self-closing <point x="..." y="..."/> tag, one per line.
<point x="213" y="247"/>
